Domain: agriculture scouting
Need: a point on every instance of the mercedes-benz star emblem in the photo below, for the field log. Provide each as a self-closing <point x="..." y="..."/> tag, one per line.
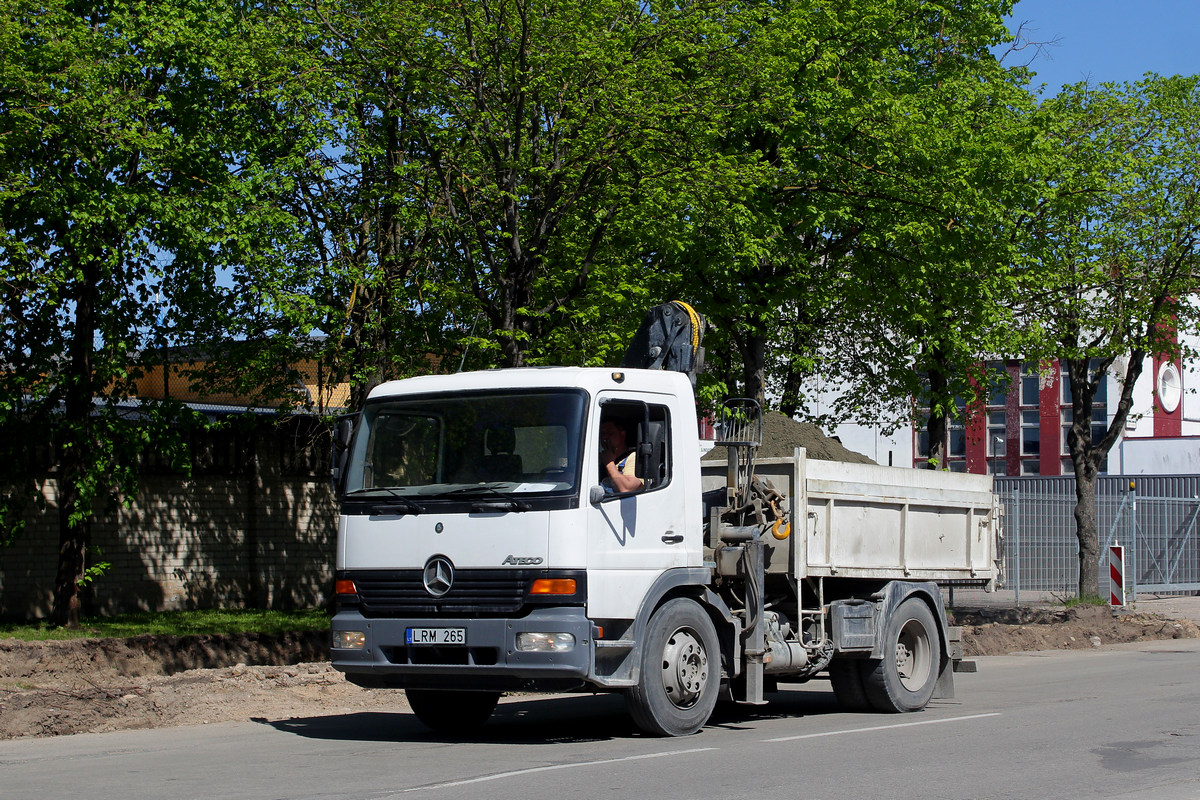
<point x="439" y="575"/>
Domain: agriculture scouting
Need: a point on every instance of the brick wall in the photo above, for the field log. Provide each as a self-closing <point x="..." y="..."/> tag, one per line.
<point x="259" y="533"/>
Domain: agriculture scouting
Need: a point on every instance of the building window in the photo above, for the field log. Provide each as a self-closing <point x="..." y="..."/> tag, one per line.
<point x="922" y="424"/>
<point x="1031" y="433"/>
<point x="996" y="449"/>
<point x="1030" y="384"/>
<point x="999" y="385"/>
<point x="958" y="440"/>
<point x="1002" y="385"/>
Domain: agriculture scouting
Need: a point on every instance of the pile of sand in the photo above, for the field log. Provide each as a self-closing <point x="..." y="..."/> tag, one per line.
<point x="782" y="435"/>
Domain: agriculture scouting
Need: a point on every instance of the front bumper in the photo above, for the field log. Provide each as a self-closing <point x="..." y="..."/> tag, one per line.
<point x="489" y="660"/>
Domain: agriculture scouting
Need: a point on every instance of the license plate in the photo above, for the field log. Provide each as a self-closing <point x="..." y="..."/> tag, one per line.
<point x="436" y="636"/>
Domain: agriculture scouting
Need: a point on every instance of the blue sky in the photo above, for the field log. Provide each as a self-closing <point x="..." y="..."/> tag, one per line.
<point x="1111" y="40"/>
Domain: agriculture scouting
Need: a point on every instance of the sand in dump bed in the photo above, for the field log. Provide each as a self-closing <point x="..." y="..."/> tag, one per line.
<point x="782" y="435"/>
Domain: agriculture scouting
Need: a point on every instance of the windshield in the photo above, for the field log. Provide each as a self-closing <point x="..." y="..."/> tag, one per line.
<point x="461" y="445"/>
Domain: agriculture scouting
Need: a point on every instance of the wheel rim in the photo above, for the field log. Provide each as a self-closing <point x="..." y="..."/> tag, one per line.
<point x="914" y="656"/>
<point x="684" y="668"/>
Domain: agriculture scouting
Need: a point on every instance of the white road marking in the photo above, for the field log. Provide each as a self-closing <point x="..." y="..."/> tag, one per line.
<point x="518" y="772"/>
<point x="880" y="727"/>
<point x="556" y="767"/>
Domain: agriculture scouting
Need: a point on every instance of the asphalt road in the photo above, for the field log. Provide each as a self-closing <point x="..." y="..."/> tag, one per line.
<point x="1122" y="722"/>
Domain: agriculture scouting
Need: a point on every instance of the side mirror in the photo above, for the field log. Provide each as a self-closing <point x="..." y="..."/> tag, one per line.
<point x="596" y="495"/>
<point x="343" y="431"/>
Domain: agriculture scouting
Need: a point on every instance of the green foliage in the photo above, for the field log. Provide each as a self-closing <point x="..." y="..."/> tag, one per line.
<point x="118" y="174"/>
<point x="95" y="570"/>
<point x="475" y="184"/>
<point x="228" y="622"/>
<point x="885" y="154"/>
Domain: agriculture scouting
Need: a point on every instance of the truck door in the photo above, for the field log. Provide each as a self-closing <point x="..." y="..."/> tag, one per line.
<point x="633" y="536"/>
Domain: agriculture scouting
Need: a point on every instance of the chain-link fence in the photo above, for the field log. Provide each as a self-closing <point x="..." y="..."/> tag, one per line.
<point x="1155" y="518"/>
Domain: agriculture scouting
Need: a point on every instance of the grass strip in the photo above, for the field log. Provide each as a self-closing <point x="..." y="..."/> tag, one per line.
<point x="174" y="623"/>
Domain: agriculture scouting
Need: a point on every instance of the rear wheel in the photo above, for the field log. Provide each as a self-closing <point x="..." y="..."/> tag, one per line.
<point x="680" y="671"/>
<point x="846" y="678"/>
<point x="448" y="711"/>
<point x="904" y="679"/>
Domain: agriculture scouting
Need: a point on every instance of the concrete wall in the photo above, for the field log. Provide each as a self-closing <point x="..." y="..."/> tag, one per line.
<point x="261" y="535"/>
<point x="1174" y="456"/>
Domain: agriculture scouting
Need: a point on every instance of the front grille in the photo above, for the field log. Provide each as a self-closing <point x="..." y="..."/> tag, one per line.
<point x="441" y="656"/>
<point x="476" y="592"/>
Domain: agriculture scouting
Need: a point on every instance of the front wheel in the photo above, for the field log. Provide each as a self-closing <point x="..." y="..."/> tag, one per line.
<point x="680" y="671"/>
<point x="904" y="679"/>
<point x="452" y="712"/>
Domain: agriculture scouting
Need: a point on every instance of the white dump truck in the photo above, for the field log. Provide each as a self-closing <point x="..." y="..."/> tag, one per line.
<point x="481" y="549"/>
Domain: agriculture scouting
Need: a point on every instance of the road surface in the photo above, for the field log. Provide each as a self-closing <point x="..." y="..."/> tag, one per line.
<point x="1121" y="722"/>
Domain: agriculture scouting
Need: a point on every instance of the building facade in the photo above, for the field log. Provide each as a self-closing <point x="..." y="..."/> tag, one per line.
<point x="1021" y="427"/>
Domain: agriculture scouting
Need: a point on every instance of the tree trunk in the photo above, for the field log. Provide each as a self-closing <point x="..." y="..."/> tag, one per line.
<point x="1085" y="529"/>
<point x="74" y="510"/>
<point x="73" y="539"/>
<point x="1086" y="455"/>
<point x="937" y="428"/>
<point x="755" y="368"/>
<point x="939" y="421"/>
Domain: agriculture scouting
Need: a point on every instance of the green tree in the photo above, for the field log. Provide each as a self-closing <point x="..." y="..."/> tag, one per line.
<point x="491" y="182"/>
<point x="115" y="153"/>
<point x="1117" y="258"/>
<point x="562" y="138"/>
<point x="353" y="252"/>
<point x="938" y="282"/>
<point x="887" y="135"/>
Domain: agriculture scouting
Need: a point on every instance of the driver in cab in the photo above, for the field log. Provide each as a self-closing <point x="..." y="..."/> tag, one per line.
<point x="617" y="460"/>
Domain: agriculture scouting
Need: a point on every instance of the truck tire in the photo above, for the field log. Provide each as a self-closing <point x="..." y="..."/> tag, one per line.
<point x="680" y="671"/>
<point x="846" y="678"/>
<point x="450" y="712"/>
<point x="904" y="679"/>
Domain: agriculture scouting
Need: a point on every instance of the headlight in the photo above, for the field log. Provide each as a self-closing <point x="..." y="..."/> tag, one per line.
<point x="545" y="642"/>
<point x="349" y="640"/>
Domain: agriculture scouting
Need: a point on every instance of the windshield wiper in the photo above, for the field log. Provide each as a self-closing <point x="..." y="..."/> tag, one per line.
<point x="507" y="504"/>
<point x="504" y="501"/>
<point x="397" y="504"/>
<point x="478" y="488"/>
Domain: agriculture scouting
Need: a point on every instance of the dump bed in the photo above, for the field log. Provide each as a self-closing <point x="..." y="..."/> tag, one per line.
<point x="866" y="521"/>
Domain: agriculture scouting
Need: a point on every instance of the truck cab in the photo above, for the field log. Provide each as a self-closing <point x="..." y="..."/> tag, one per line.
<point x="478" y="545"/>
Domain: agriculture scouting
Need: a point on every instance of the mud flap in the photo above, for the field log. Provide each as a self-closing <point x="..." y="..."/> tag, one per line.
<point x="944" y="688"/>
<point x="952" y="662"/>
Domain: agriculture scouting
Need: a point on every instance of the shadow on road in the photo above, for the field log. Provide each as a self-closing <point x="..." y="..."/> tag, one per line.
<point x="555" y="720"/>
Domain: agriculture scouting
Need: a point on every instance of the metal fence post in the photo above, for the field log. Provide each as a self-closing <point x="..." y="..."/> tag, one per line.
<point x="1016" y="540"/>
<point x="1131" y="567"/>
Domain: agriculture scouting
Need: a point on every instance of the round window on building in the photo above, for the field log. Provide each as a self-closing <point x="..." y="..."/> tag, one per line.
<point x="1170" y="387"/>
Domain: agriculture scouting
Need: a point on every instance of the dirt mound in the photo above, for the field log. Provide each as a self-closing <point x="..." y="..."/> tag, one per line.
<point x="61" y="663"/>
<point x="94" y="685"/>
<point x="782" y="435"/>
<point x="1011" y="630"/>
